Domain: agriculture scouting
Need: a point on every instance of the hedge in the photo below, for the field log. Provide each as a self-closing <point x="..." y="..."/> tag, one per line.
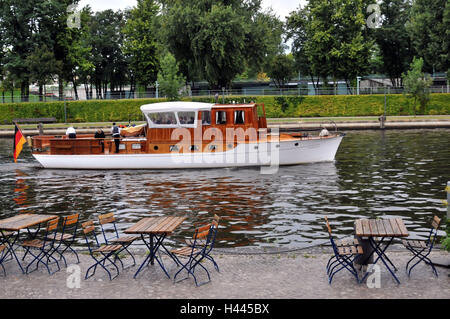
<point x="276" y="107"/>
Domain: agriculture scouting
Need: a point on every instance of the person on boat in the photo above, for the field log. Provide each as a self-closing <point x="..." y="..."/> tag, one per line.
<point x="324" y="132"/>
<point x="115" y="131"/>
<point x="71" y="133"/>
<point x="100" y="134"/>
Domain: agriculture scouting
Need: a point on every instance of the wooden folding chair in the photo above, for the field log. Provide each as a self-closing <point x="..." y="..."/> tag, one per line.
<point x="190" y="242"/>
<point x="67" y="237"/>
<point x="125" y="241"/>
<point x="46" y="247"/>
<point x="344" y="256"/>
<point x="422" y="248"/>
<point x="203" y="241"/>
<point x="106" y="251"/>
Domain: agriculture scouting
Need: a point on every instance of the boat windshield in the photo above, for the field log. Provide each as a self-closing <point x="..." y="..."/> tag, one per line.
<point x="164" y="118"/>
<point x="186" y="117"/>
<point x="172" y="119"/>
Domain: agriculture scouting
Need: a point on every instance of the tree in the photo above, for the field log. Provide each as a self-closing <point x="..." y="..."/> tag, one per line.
<point x="393" y="40"/>
<point x="330" y="39"/>
<point x="106" y="42"/>
<point x="417" y="85"/>
<point x="217" y="40"/>
<point x="169" y="79"/>
<point x="17" y="19"/>
<point x="140" y="43"/>
<point x="43" y="66"/>
<point x="281" y="69"/>
<point x="429" y="31"/>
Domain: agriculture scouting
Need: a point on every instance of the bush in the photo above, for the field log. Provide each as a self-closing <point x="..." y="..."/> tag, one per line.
<point x="446" y="240"/>
<point x="276" y="107"/>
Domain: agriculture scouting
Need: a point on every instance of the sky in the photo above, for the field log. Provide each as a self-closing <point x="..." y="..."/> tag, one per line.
<point x="282" y="8"/>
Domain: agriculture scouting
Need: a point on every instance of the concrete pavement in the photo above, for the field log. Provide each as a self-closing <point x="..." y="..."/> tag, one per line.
<point x="291" y="275"/>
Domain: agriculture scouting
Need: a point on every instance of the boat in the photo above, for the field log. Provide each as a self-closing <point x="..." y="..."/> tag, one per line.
<point x="179" y="135"/>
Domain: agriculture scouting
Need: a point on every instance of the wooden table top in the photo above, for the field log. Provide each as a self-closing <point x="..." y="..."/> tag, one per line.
<point x="22" y="221"/>
<point x="394" y="227"/>
<point x="155" y="225"/>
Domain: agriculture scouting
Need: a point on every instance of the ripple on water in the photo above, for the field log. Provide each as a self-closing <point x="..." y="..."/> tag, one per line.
<point x="376" y="174"/>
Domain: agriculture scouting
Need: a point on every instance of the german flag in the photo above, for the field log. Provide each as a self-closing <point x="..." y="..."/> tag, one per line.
<point x="19" y="141"/>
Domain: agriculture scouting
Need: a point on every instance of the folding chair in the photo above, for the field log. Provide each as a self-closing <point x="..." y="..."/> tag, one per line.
<point x="190" y="242"/>
<point x="3" y="254"/>
<point x="125" y="241"/>
<point x="106" y="251"/>
<point x="4" y="251"/>
<point x="344" y="256"/>
<point x="67" y="237"/>
<point x="422" y="248"/>
<point x="46" y="247"/>
<point x="196" y="253"/>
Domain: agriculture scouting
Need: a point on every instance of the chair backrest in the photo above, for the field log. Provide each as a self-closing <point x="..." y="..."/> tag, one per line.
<point x="330" y="235"/>
<point x="436" y="222"/>
<point x="202" y="232"/>
<point x="328" y="225"/>
<point x="71" y="221"/>
<point x="89" y="229"/>
<point x="52" y="225"/>
<point x="433" y="231"/>
<point x="108" y="218"/>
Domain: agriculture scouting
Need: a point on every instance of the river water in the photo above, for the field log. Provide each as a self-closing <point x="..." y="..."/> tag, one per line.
<point x="399" y="173"/>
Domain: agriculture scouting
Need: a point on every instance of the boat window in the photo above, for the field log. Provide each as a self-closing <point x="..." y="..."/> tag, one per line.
<point x="186" y="118"/>
<point x="206" y="117"/>
<point x="221" y="117"/>
<point x="164" y="118"/>
<point x="239" y="117"/>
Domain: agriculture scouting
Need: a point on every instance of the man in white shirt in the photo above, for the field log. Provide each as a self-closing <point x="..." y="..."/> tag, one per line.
<point x="71" y="133"/>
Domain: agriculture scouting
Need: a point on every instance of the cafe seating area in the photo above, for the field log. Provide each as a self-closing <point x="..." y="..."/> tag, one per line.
<point x="372" y="239"/>
<point x="47" y="241"/>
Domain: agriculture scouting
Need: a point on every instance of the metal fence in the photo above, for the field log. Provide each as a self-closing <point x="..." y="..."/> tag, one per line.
<point x="219" y="94"/>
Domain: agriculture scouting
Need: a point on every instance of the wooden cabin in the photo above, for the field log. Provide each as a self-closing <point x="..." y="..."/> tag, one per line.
<point x="171" y="127"/>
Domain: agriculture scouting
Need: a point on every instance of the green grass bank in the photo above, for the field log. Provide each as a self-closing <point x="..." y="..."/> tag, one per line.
<point x="276" y="107"/>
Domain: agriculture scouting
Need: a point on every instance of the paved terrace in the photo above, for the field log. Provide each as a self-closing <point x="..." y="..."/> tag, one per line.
<point x="256" y="274"/>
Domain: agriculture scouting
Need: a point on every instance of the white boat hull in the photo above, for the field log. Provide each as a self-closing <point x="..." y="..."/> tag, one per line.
<point x="273" y="154"/>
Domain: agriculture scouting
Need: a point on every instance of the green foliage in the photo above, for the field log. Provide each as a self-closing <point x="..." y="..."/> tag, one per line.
<point x="140" y="42"/>
<point x="217" y="40"/>
<point x="429" y="31"/>
<point x="393" y="41"/>
<point x="281" y="69"/>
<point x="446" y="240"/>
<point x="43" y="65"/>
<point x="169" y="79"/>
<point x="330" y="39"/>
<point x="417" y="85"/>
<point x="276" y="107"/>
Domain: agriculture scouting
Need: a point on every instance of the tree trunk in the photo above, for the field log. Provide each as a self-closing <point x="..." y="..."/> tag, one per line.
<point x="41" y="92"/>
<point x="75" y="87"/>
<point x="24" y="91"/>
<point x="60" y="88"/>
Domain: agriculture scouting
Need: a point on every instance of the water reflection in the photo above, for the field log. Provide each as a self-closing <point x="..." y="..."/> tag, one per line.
<point x="399" y="173"/>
